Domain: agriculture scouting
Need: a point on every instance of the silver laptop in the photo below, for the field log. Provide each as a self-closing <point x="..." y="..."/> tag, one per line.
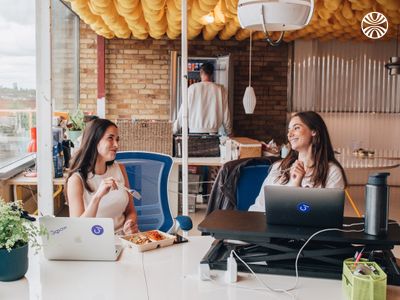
<point x="317" y="207"/>
<point x="79" y="239"/>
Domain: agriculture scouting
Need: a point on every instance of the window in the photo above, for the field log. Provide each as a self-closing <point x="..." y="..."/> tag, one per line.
<point x="17" y="78"/>
<point x="65" y="57"/>
<point x="18" y="73"/>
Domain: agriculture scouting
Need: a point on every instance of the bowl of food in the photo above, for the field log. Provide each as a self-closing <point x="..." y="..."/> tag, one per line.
<point x="148" y="240"/>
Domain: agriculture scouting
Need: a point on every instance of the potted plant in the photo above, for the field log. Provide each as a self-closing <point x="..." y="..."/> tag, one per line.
<point x="76" y="126"/>
<point x="16" y="232"/>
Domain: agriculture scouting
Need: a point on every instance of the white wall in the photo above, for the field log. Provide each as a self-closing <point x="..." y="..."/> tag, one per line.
<point x="379" y="132"/>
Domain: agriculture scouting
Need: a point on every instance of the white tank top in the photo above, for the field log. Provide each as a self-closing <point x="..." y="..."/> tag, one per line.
<point x="114" y="203"/>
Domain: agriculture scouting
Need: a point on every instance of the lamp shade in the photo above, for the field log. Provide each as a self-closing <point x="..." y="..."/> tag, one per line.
<point x="249" y="100"/>
<point x="277" y="15"/>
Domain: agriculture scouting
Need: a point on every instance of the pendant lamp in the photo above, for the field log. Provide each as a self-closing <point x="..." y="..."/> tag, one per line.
<point x="394" y="62"/>
<point x="249" y="98"/>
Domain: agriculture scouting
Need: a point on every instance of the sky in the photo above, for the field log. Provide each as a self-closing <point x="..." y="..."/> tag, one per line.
<point x="17" y="43"/>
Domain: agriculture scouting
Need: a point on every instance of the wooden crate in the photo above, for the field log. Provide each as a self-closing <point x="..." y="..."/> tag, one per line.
<point x="247" y="147"/>
<point x="145" y="135"/>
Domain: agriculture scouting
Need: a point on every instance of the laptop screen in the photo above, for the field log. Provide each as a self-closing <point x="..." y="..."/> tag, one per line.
<point x="314" y="207"/>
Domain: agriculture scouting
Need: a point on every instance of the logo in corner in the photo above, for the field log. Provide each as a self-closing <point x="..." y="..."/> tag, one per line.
<point x="97" y="229"/>
<point x="304" y="207"/>
<point x="374" y="25"/>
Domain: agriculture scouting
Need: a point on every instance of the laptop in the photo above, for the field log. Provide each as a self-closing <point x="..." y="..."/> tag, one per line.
<point x="79" y="239"/>
<point x="314" y="207"/>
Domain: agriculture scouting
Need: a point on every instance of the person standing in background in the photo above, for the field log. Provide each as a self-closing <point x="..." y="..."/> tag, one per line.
<point x="207" y="105"/>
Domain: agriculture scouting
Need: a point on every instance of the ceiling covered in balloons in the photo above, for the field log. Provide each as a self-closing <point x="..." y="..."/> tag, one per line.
<point x="210" y="19"/>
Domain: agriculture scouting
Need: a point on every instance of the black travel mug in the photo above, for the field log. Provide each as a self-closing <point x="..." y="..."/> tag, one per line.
<point x="376" y="204"/>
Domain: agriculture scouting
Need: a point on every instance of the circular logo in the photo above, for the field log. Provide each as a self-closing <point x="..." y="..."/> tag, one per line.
<point x="374" y="25"/>
<point x="303" y="207"/>
<point x="97" y="230"/>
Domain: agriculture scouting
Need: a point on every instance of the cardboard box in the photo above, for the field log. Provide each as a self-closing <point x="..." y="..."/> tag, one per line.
<point x="191" y="203"/>
<point x="246" y="147"/>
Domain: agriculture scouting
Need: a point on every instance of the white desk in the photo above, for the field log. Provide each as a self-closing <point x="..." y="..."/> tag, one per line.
<point x="377" y="163"/>
<point x="170" y="273"/>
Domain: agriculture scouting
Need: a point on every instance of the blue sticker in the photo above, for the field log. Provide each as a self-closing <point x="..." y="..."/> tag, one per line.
<point x="97" y="230"/>
<point x="304" y="207"/>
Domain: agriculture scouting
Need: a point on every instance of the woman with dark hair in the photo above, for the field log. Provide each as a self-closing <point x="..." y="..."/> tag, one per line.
<point x="94" y="181"/>
<point x="311" y="161"/>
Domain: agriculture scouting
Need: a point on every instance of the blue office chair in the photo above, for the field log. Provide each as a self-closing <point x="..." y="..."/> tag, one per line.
<point x="249" y="185"/>
<point x="148" y="174"/>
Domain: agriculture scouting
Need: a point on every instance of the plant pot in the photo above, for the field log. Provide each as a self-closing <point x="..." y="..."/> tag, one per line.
<point x="13" y="264"/>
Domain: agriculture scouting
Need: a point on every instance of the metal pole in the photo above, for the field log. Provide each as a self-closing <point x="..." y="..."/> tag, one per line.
<point x="184" y="87"/>
<point x="44" y="107"/>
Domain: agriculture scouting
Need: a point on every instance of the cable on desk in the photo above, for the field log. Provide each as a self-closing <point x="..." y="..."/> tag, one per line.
<point x="286" y="291"/>
<point x="262" y="282"/>
<point x="145" y="278"/>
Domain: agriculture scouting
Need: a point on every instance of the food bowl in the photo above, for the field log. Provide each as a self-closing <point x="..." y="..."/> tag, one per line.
<point x="148" y="240"/>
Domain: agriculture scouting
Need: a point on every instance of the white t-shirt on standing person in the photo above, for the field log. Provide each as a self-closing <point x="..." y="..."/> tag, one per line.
<point x="208" y="109"/>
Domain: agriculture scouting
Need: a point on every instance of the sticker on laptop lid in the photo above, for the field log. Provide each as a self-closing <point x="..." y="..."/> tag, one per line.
<point x="304" y="207"/>
<point x="97" y="229"/>
<point x="58" y="231"/>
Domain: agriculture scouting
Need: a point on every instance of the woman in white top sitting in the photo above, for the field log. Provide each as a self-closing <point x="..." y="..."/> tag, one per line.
<point x="311" y="161"/>
<point x="94" y="181"/>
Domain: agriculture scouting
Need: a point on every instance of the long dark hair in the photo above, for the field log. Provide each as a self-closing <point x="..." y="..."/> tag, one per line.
<point x="322" y="151"/>
<point x="84" y="160"/>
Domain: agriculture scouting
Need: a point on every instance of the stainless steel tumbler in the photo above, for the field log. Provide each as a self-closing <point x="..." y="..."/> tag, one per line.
<point x="376" y="204"/>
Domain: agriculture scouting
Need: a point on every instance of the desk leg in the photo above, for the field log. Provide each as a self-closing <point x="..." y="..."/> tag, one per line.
<point x="15" y="193"/>
<point x="173" y="188"/>
<point x="5" y="190"/>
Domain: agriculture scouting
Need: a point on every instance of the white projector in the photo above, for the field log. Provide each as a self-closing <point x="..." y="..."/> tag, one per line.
<point x="275" y="15"/>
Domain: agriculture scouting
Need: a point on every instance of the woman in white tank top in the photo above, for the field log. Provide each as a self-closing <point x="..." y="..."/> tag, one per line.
<point x="94" y="179"/>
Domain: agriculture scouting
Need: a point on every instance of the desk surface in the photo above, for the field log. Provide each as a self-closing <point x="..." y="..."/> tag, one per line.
<point x="201" y="161"/>
<point x="21" y="179"/>
<point x="347" y="161"/>
<point x="252" y="227"/>
<point x="377" y="163"/>
<point x="170" y="273"/>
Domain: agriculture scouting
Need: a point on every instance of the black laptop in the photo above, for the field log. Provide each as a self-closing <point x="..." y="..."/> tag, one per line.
<point x="314" y="207"/>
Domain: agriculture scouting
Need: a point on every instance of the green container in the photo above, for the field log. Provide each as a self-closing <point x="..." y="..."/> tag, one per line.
<point x="13" y="264"/>
<point x="365" y="287"/>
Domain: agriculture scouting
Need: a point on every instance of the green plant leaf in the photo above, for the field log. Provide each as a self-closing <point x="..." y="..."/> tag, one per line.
<point x="16" y="231"/>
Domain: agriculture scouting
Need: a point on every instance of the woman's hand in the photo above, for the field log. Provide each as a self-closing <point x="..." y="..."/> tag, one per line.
<point x="106" y="185"/>
<point x="297" y="172"/>
<point x="130" y="227"/>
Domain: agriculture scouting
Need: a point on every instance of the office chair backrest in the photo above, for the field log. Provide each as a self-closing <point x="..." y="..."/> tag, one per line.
<point x="249" y="185"/>
<point x="148" y="174"/>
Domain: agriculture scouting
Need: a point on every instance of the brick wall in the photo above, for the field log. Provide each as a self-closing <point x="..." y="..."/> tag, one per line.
<point x="88" y="69"/>
<point x="137" y="80"/>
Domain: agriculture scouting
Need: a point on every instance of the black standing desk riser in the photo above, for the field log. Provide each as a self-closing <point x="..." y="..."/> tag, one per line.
<point x="273" y="249"/>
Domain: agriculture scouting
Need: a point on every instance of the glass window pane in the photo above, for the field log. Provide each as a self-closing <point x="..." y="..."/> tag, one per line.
<point x="17" y="78"/>
<point x="65" y="57"/>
